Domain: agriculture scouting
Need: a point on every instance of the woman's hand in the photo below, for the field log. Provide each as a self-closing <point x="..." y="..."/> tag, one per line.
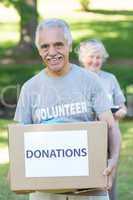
<point x="120" y="113"/>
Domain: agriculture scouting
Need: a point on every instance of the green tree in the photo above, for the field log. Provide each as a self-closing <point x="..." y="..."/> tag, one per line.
<point x="27" y="10"/>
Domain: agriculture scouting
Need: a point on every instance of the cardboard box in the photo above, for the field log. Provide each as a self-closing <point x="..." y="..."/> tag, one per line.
<point x="57" y="157"/>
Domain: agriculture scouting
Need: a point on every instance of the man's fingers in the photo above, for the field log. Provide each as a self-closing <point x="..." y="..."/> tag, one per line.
<point x="110" y="168"/>
<point x="109" y="182"/>
<point x="108" y="171"/>
<point x="108" y="186"/>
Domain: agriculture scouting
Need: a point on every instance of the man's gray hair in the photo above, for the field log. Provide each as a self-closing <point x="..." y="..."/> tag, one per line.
<point x="92" y="45"/>
<point x="51" y="23"/>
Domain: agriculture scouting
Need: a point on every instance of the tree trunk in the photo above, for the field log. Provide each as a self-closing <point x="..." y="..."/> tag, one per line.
<point x="28" y="23"/>
<point x="85" y="4"/>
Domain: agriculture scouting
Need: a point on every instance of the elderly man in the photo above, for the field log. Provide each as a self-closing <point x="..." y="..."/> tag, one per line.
<point x="64" y="92"/>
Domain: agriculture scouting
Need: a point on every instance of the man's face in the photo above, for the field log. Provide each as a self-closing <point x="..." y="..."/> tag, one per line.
<point x="54" y="49"/>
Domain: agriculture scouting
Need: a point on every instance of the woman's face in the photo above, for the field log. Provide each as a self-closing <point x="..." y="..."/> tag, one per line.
<point x="93" y="61"/>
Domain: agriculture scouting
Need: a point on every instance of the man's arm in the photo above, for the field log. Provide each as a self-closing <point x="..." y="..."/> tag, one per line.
<point x="114" y="138"/>
<point x="23" y="113"/>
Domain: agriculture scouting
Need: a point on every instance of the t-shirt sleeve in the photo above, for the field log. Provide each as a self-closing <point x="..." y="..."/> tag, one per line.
<point x="100" y="101"/>
<point x="23" y="109"/>
<point x="118" y="96"/>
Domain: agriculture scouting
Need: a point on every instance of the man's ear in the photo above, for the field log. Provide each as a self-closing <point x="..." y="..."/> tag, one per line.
<point x="39" y="51"/>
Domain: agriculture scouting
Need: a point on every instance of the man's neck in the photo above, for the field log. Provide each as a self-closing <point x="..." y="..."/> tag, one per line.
<point x="60" y="73"/>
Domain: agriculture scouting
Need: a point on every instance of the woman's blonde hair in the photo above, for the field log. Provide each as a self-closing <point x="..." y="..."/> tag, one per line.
<point x="91" y="46"/>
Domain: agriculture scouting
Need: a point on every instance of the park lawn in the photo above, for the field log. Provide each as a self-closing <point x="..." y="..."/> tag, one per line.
<point x="11" y="79"/>
<point x="5" y="193"/>
<point x="125" y="175"/>
<point x="115" y="29"/>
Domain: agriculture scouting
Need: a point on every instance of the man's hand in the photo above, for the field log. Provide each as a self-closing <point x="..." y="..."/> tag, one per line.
<point x="114" y="144"/>
<point x="110" y="172"/>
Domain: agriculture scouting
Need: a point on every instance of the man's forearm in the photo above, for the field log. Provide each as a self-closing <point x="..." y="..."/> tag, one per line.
<point x="114" y="142"/>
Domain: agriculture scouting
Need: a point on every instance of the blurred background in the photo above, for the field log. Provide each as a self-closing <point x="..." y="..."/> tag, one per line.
<point x="108" y="20"/>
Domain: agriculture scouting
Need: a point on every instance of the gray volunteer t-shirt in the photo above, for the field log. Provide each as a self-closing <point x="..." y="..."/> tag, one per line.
<point x="112" y="88"/>
<point x="77" y="96"/>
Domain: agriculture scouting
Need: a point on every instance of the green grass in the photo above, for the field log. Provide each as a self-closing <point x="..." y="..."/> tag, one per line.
<point x="116" y="35"/>
<point x="13" y="74"/>
<point x="125" y="175"/>
<point x="115" y="29"/>
<point x="3" y="132"/>
<point x="123" y="74"/>
<point x="12" y="77"/>
<point x="5" y="193"/>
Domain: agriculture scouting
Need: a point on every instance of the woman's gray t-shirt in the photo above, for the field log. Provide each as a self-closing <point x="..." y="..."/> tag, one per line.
<point x="112" y="88"/>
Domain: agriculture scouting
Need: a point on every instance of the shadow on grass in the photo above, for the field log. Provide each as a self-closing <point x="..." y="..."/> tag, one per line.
<point x="117" y="36"/>
<point x="111" y="12"/>
<point x="11" y="51"/>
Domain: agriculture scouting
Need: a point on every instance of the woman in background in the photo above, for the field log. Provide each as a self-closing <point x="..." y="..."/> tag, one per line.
<point x="92" y="55"/>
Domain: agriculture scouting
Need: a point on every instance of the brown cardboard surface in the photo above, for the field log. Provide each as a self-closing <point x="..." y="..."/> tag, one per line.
<point x="97" y="143"/>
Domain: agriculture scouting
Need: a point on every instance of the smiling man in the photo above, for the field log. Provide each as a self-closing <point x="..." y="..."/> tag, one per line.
<point x="64" y="92"/>
<point x="54" y="49"/>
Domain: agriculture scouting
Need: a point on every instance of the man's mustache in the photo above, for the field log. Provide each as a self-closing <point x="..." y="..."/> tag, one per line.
<point x="57" y="56"/>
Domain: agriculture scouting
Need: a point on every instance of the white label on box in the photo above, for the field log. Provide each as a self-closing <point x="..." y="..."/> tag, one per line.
<point x="56" y="153"/>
